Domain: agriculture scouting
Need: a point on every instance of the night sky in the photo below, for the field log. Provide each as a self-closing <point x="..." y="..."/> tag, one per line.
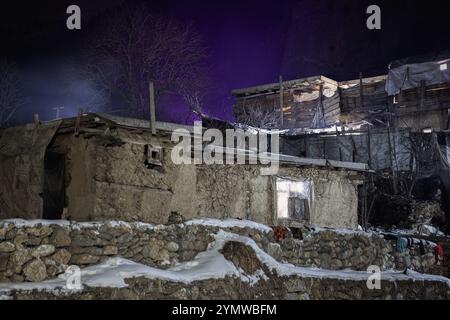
<point x="249" y="43"/>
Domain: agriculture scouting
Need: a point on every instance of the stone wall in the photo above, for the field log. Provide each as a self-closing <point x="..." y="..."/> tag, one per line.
<point x="336" y="250"/>
<point x="38" y="252"/>
<point x="35" y="252"/>
<point x="292" y="288"/>
<point x="270" y="285"/>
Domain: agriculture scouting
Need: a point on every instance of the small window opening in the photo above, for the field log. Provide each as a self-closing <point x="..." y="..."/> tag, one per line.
<point x="153" y="156"/>
<point x="443" y="66"/>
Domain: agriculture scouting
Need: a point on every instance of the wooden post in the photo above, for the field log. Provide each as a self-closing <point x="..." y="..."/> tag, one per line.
<point x="392" y="158"/>
<point x="369" y="147"/>
<point x="322" y="109"/>
<point x="152" y="107"/>
<point x="422" y="93"/>
<point x="361" y="91"/>
<point x="78" y="122"/>
<point x="281" y="101"/>
<point x="36" y="120"/>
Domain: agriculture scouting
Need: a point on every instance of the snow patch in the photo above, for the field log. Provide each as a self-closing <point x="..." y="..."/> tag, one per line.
<point x="230" y="223"/>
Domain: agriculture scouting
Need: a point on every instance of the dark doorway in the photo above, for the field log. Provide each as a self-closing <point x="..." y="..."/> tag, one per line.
<point x="54" y="195"/>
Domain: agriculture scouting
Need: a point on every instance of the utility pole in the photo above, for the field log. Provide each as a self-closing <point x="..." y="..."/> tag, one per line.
<point x="151" y="88"/>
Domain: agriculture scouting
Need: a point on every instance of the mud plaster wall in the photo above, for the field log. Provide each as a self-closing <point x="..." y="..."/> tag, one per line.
<point x="335" y="196"/>
<point x="115" y="183"/>
<point x="78" y="175"/>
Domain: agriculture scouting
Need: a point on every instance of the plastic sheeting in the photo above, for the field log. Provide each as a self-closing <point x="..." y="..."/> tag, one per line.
<point x="22" y="152"/>
<point x="409" y="76"/>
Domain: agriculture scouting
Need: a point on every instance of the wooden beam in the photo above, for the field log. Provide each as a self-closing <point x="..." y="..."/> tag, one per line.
<point x="152" y="107"/>
<point x="281" y="101"/>
<point x="37" y="123"/>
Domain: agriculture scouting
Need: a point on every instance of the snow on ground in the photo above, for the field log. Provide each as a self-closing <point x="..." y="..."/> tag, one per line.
<point x="226" y="223"/>
<point x="230" y="223"/>
<point x="342" y="231"/>
<point x="210" y="264"/>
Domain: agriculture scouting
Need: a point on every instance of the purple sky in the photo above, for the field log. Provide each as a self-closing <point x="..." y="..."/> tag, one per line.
<point x="250" y="42"/>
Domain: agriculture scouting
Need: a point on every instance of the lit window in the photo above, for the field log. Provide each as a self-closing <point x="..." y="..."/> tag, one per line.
<point x="293" y="199"/>
<point x="443" y="66"/>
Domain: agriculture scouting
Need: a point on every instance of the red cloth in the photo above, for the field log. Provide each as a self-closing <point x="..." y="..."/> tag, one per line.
<point x="438" y="250"/>
<point x="280" y="233"/>
<point x="438" y="254"/>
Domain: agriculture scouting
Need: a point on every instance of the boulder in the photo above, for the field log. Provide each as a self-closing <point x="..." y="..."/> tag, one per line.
<point x="274" y="250"/>
<point x="7" y="246"/>
<point x="110" y="250"/>
<point x="172" y="246"/>
<point x="20" y="256"/>
<point x="35" y="271"/>
<point x="84" y="258"/>
<point x="61" y="238"/>
<point x="43" y="250"/>
<point x="61" y="256"/>
<point x="40" y="231"/>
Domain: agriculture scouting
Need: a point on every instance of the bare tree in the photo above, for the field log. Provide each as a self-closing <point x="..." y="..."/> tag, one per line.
<point x="10" y="94"/>
<point x="260" y="117"/>
<point x="135" y="47"/>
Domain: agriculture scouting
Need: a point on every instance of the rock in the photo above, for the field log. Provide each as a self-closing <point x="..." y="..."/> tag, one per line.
<point x="336" y="264"/>
<point x="43" y="251"/>
<point x="94" y="251"/>
<point x="61" y="256"/>
<point x="40" y="231"/>
<point x="274" y="250"/>
<point x="155" y="252"/>
<point x="83" y="241"/>
<point x="20" y="257"/>
<point x="110" y="250"/>
<point x="7" y="247"/>
<point x="325" y="260"/>
<point x="4" y="257"/>
<point x="126" y="237"/>
<point x="3" y="233"/>
<point x="61" y="238"/>
<point x="84" y="259"/>
<point x="172" y="246"/>
<point x="35" y="271"/>
<point x="20" y="237"/>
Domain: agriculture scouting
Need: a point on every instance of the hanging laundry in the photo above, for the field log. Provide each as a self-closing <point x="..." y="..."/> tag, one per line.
<point x="402" y="244"/>
<point x="438" y="254"/>
<point x="280" y="233"/>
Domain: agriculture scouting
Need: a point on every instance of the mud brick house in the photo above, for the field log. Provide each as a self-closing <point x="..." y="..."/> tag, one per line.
<point x="98" y="167"/>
